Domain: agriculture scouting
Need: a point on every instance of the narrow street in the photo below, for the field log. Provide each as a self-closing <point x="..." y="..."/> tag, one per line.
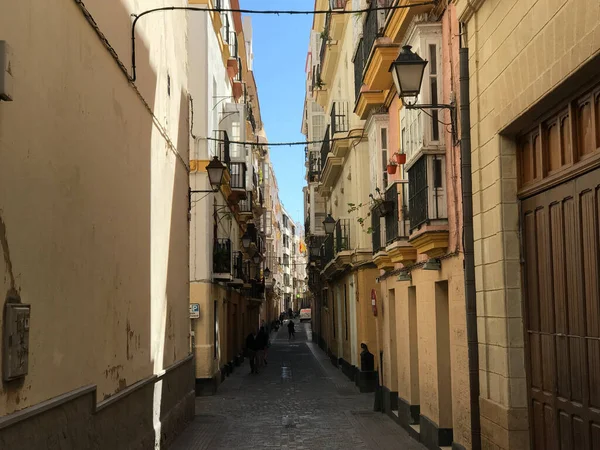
<point x="299" y="401"/>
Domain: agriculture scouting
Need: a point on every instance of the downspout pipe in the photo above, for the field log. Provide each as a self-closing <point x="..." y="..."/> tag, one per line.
<point x="468" y="244"/>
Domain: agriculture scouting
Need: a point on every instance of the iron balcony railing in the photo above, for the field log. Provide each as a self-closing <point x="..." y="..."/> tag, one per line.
<point x="222" y="256"/>
<point x="257" y="290"/>
<point x="339" y="117"/>
<point x="314" y="166"/>
<point x="238" y="175"/>
<point x="377" y="232"/>
<point x="327" y="250"/>
<point x="342" y="235"/>
<point x="391" y="219"/>
<point x="325" y="147"/>
<point x="372" y="29"/>
<point x="316" y="242"/>
<point x="317" y="82"/>
<point x="221" y="146"/>
<point x="359" y="67"/>
<point x="324" y="39"/>
<point x="418" y="204"/>
<point x="238" y="75"/>
<point x="245" y="205"/>
<point x="397" y="223"/>
<point x="404" y="222"/>
<point x="238" y="266"/>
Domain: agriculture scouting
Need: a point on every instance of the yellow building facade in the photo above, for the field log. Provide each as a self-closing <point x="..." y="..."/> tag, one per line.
<point x="534" y="72"/>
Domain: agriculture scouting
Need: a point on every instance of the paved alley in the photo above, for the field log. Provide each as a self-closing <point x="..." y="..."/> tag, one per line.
<point x="300" y="401"/>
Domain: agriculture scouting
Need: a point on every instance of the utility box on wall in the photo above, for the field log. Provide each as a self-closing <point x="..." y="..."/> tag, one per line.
<point x="16" y="341"/>
<point x="6" y="72"/>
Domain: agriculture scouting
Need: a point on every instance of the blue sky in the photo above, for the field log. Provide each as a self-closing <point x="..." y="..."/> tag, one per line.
<point x="280" y="46"/>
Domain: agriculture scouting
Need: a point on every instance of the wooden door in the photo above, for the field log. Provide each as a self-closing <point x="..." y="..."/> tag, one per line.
<point x="561" y="253"/>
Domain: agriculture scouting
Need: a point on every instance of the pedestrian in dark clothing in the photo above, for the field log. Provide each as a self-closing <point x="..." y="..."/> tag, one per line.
<point x="291" y="331"/>
<point x="262" y="341"/>
<point x="251" y="351"/>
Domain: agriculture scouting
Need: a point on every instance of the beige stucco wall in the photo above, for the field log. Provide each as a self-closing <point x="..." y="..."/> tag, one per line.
<point x="93" y="196"/>
<point x="418" y="367"/>
<point x="519" y="51"/>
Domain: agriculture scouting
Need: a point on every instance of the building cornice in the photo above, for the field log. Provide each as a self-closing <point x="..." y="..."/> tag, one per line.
<point x="466" y="9"/>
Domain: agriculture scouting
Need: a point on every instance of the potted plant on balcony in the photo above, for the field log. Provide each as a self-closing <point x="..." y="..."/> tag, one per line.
<point x="391" y="167"/>
<point x="400" y="158"/>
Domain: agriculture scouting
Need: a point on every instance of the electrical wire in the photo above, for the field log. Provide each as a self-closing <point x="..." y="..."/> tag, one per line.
<point x="137" y="17"/>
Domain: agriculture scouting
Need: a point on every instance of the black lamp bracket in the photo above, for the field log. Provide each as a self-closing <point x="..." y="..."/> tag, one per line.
<point x="451" y="108"/>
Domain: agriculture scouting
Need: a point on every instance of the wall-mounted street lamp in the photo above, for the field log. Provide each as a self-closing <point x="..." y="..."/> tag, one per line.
<point x="267" y="273"/>
<point x="407" y="72"/>
<point x="215" y="170"/>
<point x="256" y="258"/>
<point x="246" y="240"/>
<point x="432" y="264"/>
<point x="329" y="224"/>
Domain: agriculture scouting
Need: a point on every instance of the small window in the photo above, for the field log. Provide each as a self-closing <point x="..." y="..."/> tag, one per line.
<point x="437" y="173"/>
<point x="432" y="59"/>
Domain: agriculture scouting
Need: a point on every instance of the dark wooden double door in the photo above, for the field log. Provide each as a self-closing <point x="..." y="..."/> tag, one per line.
<point x="561" y="251"/>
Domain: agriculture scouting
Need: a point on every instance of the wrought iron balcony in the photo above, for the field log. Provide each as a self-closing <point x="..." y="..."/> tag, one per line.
<point x="359" y="67"/>
<point x="378" y="232"/>
<point x="342" y="235"/>
<point x="257" y="290"/>
<point x="222" y="256"/>
<point x="417" y="185"/>
<point x="373" y="28"/>
<point x="317" y="82"/>
<point x="327" y="251"/>
<point x="314" y="167"/>
<point x="238" y="266"/>
<point x="339" y="118"/>
<point x="221" y="146"/>
<point x="238" y="75"/>
<point x="325" y="147"/>
<point x="324" y="39"/>
<point x="245" y="205"/>
<point x="237" y="171"/>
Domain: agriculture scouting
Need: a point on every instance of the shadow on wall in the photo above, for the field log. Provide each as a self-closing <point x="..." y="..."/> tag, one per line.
<point x="81" y="200"/>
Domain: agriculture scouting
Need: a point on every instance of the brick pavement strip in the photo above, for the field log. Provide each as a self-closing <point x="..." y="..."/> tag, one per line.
<point x="299" y="401"/>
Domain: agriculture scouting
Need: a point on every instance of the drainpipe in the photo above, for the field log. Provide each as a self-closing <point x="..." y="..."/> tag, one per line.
<point x="468" y="243"/>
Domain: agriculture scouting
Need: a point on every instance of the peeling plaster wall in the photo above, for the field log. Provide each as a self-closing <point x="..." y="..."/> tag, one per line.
<point x="93" y="196"/>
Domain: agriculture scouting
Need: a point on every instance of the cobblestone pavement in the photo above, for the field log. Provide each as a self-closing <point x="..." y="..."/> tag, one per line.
<point x="299" y="401"/>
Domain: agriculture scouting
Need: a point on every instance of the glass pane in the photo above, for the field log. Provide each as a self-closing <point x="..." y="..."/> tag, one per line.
<point x="432" y="59"/>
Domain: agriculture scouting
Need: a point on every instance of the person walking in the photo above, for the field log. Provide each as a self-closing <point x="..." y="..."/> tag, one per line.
<point x="251" y="351"/>
<point x="291" y="330"/>
<point x="262" y="341"/>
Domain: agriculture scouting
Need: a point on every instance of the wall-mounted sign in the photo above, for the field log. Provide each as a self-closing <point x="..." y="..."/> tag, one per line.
<point x="194" y="310"/>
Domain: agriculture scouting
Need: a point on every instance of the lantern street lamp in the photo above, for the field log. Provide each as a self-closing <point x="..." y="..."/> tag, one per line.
<point x="246" y="240"/>
<point x="256" y="258"/>
<point x="215" y="170"/>
<point x="407" y="72"/>
<point x="329" y="224"/>
<point x="267" y="273"/>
